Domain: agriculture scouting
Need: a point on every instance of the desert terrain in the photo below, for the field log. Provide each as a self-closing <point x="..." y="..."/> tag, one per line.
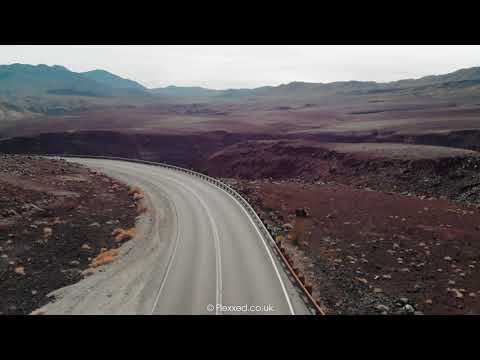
<point x="389" y="175"/>
<point x="56" y="225"/>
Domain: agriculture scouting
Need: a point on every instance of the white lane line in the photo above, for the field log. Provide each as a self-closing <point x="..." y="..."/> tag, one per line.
<point x="170" y="262"/>
<point x="218" y="261"/>
<point x="218" y="258"/>
<point x="284" y="289"/>
<point x="287" y="297"/>
<point x="217" y="247"/>
<point x="124" y="170"/>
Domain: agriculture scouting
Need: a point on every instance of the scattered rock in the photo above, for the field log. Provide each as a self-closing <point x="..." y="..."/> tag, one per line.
<point x="301" y="212"/>
<point x="287" y="226"/>
<point x="382" y="307"/>
<point x="47" y="232"/>
<point x="457" y="293"/>
<point x="404" y="300"/>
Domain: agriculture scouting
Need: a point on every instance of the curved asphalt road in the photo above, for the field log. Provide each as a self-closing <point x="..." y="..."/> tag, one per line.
<point x="198" y="247"/>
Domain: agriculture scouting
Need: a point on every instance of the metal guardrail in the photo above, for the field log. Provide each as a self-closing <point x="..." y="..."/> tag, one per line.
<point x="244" y="203"/>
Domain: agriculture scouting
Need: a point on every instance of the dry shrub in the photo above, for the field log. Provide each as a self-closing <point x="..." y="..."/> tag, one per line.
<point x="135" y="191"/>
<point x="104" y="257"/>
<point x="123" y="234"/>
<point x="116" y="231"/>
<point x="20" y="270"/>
<point x="137" y="196"/>
<point x="141" y="208"/>
<point x="279" y="239"/>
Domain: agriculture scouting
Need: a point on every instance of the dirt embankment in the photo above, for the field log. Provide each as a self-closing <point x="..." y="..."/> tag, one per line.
<point x="55" y="218"/>
<point x="186" y="150"/>
<point x="464" y="139"/>
<point x="369" y="252"/>
<point x="424" y="170"/>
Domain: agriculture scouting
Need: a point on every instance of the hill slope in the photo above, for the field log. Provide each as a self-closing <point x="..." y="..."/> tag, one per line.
<point x="112" y="80"/>
<point x="22" y="80"/>
<point x="184" y="91"/>
<point x="29" y="90"/>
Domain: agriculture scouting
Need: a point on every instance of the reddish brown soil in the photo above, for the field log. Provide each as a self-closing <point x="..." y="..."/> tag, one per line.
<point x="325" y="118"/>
<point x="360" y="240"/>
<point x="55" y="217"/>
<point x="285" y="139"/>
<point x="423" y="170"/>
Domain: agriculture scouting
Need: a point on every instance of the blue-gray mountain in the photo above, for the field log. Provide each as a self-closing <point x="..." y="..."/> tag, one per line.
<point x="112" y="80"/>
<point x="22" y="80"/>
<point x="28" y="90"/>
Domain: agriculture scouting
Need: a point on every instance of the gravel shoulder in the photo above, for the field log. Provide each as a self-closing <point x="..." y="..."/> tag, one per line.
<point x="55" y="219"/>
<point x="125" y="286"/>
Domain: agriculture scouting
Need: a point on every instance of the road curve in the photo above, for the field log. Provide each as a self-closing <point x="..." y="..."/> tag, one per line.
<point x="197" y="252"/>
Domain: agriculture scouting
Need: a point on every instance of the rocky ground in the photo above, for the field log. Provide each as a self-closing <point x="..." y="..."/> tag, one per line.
<point x="373" y="252"/>
<point x="423" y="170"/>
<point x="57" y="221"/>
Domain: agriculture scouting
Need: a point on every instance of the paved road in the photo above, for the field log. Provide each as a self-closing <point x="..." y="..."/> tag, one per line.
<point x="197" y="247"/>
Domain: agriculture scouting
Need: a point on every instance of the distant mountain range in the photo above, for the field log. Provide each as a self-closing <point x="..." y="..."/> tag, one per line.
<point x="24" y="80"/>
<point x="429" y="85"/>
<point x="41" y="89"/>
<point x="26" y="90"/>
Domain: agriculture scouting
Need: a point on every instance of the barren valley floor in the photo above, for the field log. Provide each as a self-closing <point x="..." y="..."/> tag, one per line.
<point x="392" y="185"/>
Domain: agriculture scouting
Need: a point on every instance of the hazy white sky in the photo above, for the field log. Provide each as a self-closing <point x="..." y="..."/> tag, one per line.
<point x="236" y="66"/>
